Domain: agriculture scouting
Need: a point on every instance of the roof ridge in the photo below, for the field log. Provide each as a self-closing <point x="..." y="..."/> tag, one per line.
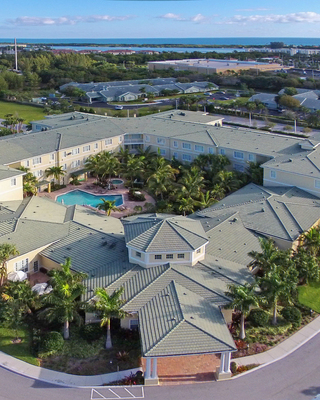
<point x="152" y="282"/>
<point x="186" y="240"/>
<point x="184" y="228"/>
<point x="296" y="221"/>
<point x="307" y="156"/>
<point x="273" y="209"/>
<point x="213" y="138"/>
<point x="158" y="225"/>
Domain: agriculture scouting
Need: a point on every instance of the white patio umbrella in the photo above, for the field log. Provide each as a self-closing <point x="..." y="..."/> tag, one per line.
<point x="41" y="288"/>
<point x="17" y="276"/>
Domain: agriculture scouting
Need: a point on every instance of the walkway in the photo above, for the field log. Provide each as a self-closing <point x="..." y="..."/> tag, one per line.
<point x="284" y="348"/>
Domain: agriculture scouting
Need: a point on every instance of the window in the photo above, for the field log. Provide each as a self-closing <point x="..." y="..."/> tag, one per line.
<point x="198" y="148"/>
<point x="161" y="141"/>
<point x="75" y="164"/>
<point x="180" y="255"/>
<point x="13" y="182"/>
<point x="158" y="257"/>
<point x="147" y="138"/>
<point x="121" y="138"/>
<point x="138" y="254"/>
<point x="75" y="151"/>
<point x="52" y="157"/>
<point x="37" y="174"/>
<point x="162" y="152"/>
<point x="251" y="157"/>
<point x="107" y="142"/>
<point x="238" y="154"/>
<point x="133" y="324"/>
<point x="186" y="157"/>
<point x="36" y="160"/>
<point x="273" y="174"/>
<point x="222" y="152"/>
<point x="175" y="143"/>
<point x="96" y="146"/>
<point x="238" y="167"/>
<point x="64" y="166"/>
<point x="64" y="154"/>
<point x="27" y="163"/>
<point x="317" y="184"/>
<point x="36" y="266"/>
<point x="86" y="148"/>
<point x="198" y="251"/>
<point x="211" y="150"/>
<point x="186" y="146"/>
<point x="22" y="265"/>
<point x="175" y="154"/>
<point x="169" y="256"/>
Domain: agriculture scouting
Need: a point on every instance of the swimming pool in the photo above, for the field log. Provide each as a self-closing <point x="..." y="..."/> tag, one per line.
<point x="116" y="181"/>
<point x="84" y="198"/>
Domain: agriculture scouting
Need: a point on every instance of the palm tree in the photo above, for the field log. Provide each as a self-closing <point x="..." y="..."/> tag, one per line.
<point x="205" y="200"/>
<point x="135" y="167"/>
<point x="62" y="303"/>
<point x="227" y="180"/>
<point x="6" y="251"/>
<point x="255" y="172"/>
<point x="250" y="106"/>
<point x="148" y="154"/>
<point x="186" y="205"/>
<point x="108" y="306"/>
<point x="269" y="256"/>
<point x="307" y="265"/>
<point x="311" y="241"/>
<point x="191" y="182"/>
<point x="162" y="177"/>
<point x="242" y="298"/>
<point x="123" y="155"/>
<point x="55" y="172"/>
<point x="278" y="285"/>
<point x="29" y="182"/>
<point x="107" y="206"/>
<point x="103" y="164"/>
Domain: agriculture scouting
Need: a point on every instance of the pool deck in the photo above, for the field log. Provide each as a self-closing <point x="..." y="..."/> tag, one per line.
<point x="88" y="186"/>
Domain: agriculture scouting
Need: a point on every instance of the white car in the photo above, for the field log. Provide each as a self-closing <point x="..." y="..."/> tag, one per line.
<point x="118" y="107"/>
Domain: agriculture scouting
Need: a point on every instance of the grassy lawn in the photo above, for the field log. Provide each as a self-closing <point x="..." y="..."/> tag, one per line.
<point x="309" y="295"/>
<point x="28" y="113"/>
<point x="18" y="350"/>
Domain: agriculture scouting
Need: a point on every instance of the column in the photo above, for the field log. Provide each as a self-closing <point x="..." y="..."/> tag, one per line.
<point x="147" y="373"/>
<point x="154" y="373"/>
<point x="222" y="363"/>
<point x="227" y="362"/>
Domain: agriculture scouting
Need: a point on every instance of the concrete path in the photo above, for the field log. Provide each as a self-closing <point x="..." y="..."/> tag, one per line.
<point x="284" y="348"/>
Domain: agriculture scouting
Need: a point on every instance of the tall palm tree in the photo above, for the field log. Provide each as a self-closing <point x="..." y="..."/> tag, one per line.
<point x="227" y="180"/>
<point x="107" y="206"/>
<point x="55" y="172"/>
<point x="250" y="106"/>
<point x="123" y="155"/>
<point x="29" y="182"/>
<point x="311" y="241"/>
<point x="186" y="206"/>
<point x="63" y="303"/>
<point x="307" y="265"/>
<point x="268" y="258"/>
<point x="108" y="306"/>
<point x="6" y="251"/>
<point x="242" y="298"/>
<point x="279" y="284"/>
<point x="191" y="182"/>
<point x="162" y="177"/>
<point x="135" y="167"/>
<point x="206" y="200"/>
<point x="148" y="154"/>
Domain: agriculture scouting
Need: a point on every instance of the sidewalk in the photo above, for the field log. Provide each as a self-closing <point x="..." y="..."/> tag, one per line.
<point x="284" y="348"/>
<point x="60" y="378"/>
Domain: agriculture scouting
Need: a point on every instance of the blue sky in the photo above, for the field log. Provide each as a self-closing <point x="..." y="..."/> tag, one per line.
<point x="159" y="18"/>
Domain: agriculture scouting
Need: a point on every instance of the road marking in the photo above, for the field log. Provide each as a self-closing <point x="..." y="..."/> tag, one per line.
<point x="120" y="392"/>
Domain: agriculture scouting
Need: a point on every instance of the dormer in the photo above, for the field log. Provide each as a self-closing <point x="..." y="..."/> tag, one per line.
<point x="155" y="239"/>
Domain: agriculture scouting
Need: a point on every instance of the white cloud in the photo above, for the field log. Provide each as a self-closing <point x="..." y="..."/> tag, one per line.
<point x="175" y="17"/>
<point x="45" y="21"/>
<point x="301" y="17"/>
<point x="198" y="18"/>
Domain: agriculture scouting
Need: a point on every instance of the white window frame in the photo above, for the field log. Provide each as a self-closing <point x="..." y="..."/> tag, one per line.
<point x="108" y="142"/>
<point x="96" y="146"/>
<point x="169" y="256"/>
<point x="198" y="148"/>
<point x="175" y="143"/>
<point x="186" y="146"/>
<point x="76" y="151"/>
<point x="211" y="151"/>
<point x="251" y="157"/>
<point x="158" y="256"/>
<point x="75" y="164"/>
<point x="222" y="152"/>
<point x="180" y="255"/>
<point x="64" y="167"/>
<point x="186" y="157"/>
<point x="13" y="182"/>
<point x="147" y="138"/>
<point x="36" y="161"/>
<point x="22" y="265"/>
<point x="138" y="254"/>
<point x="161" y="141"/>
<point x="86" y="148"/>
<point x="273" y="174"/>
<point x="52" y="157"/>
<point x="317" y="183"/>
<point x="162" y="152"/>
<point x="239" y="155"/>
<point x="175" y="155"/>
<point x="134" y="323"/>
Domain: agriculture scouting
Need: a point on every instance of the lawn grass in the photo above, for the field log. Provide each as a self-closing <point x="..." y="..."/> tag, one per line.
<point x="309" y="296"/>
<point x="28" y="113"/>
<point x="18" y="350"/>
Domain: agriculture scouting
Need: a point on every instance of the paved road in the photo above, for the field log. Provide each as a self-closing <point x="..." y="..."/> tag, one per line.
<point x="296" y="377"/>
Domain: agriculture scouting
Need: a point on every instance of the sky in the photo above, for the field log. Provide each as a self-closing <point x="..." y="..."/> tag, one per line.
<point x="159" y="18"/>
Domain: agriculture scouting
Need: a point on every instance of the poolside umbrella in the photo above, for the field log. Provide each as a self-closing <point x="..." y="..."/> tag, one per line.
<point x="41" y="288"/>
<point x="17" y="276"/>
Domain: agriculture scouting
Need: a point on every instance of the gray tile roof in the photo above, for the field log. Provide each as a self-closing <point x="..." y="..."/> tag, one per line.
<point x="179" y="322"/>
<point x="158" y="234"/>
<point x="7" y="172"/>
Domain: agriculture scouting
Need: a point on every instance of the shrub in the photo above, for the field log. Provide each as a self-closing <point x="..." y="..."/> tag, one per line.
<point x="287" y="128"/>
<point x="52" y="342"/>
<point x="233" y="367"/>
<point x="292" y="314"/>
<point x="258" y="317"/>
<point x="306" y="130"/>
<point x="91" y="332"/>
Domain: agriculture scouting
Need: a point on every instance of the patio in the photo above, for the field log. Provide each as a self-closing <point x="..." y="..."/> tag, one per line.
<point x="126" y="209"/>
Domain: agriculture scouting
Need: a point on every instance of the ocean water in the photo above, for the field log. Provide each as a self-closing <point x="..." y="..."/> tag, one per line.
<point x="248" y="41"/>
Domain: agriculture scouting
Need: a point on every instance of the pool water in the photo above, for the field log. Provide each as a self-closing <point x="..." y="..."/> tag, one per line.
<point x="83" y="198"/>
<point x="116" y="181"/>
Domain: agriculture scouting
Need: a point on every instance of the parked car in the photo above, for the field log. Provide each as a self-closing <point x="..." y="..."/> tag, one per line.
<point x="118" y="107"/>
